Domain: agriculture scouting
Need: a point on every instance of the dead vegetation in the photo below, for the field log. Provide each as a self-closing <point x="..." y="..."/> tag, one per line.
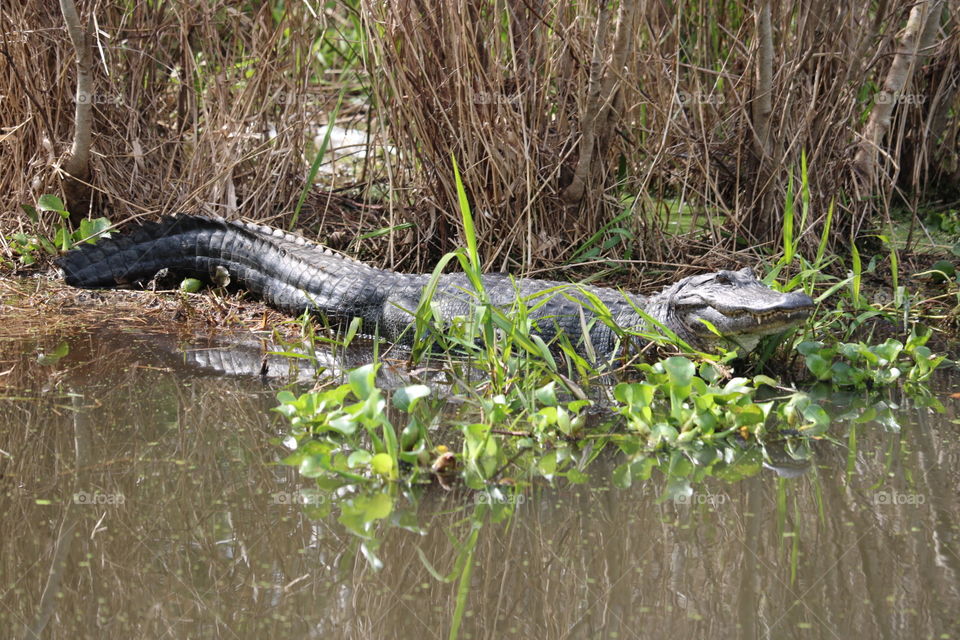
<point x="650" y="132"/>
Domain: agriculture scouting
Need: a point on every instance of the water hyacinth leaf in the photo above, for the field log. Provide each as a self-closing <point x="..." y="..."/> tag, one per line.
<point x="750" y="415"/>
<point x="286" y="397"/>
<point x="889" y="350"/>
<point x="547" y="465"/>
<point x="663" y="432"/>
<point x="546" y="417"/>
<point x="766" y="380"/>
<point x="638" y="394"/>
<point x="563" y="421"/>
<point x="706" y="420"/>
<point x="709" y="373"/>
<point x="547" y="394"/>
<point x="681" y="372"/>
<point x="314" y="465"/>
<point x="362" y="381"/>
<point x="359" y="458"/>
<point x="344" y="424"/>
<point x="623" y="476"/>
<point x="886" y="376"/>
<point x="808" y="347"/>
<point x="818" y="366"/>
<point x="410" y="436"/>
<point x="818" y="419"/>
<point x="362" y="512"/>
<point x="406" y="398"/>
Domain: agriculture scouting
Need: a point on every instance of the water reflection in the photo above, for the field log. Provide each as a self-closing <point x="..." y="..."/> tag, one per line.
<point x="142" y="499"/>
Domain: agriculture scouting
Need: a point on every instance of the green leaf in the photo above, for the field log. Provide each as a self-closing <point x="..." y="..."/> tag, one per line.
<point x="352" y="330"/>
<point x="622" y="477"/>
<point x="818" y="418"/>
<point x="314" y="465"/>
<point x="359" y="458"/>
<point x="818" y="366"/>
<point x="547" y="465"/>
<point x="680" y="371"/>
<point x="50" y="202"/>
<point x="547" y="394"/>
<point x="31" y="213"/>
<point x="406" y="398"/>
<point x="362" y="381"/>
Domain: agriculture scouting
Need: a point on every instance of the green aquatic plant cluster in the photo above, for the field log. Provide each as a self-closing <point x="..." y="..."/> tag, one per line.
<point x="27" y="246"/>
<point x="347" y="432"/>
<point x="859" y="365"/>
<point x="358" y="432"/>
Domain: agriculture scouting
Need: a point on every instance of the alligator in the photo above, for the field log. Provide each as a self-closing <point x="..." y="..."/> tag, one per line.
<point x="294" y="275"/>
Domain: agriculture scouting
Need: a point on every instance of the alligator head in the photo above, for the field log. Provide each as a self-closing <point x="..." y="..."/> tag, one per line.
<point x="740" y="307"/>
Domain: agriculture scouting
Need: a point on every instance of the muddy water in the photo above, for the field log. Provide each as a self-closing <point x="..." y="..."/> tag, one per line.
<point x="141" y="498"/>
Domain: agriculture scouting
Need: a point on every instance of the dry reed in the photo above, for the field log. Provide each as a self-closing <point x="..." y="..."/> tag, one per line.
<point x="663" y="133"/>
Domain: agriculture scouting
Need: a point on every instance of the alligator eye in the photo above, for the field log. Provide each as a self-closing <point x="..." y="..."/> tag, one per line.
<point x="723" y="278"/>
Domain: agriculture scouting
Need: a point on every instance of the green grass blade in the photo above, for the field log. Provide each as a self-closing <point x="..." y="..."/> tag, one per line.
<point x="463" y="586"/>
<point x="468" y="229"/>
<point x="804" y="191"/>
<point x="824" y="237"/>
<point x="317" y="161"/>
<point x="788" y="223"/>
<point x="857" y="274"/>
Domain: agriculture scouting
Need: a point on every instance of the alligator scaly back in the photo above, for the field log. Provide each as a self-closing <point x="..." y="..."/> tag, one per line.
<point x="289" y="272"/>
<point x="295" y="275"/>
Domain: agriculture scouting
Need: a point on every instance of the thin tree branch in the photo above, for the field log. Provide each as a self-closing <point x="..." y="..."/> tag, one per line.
<point x="916" y="40"/>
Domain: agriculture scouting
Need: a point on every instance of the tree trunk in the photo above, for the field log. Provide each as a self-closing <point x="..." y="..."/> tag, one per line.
<point x="75" y="177"/>
<point x="917" y="38"/>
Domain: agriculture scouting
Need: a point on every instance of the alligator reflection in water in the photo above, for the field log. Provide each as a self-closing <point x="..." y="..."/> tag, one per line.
<point x="148" y="504"/>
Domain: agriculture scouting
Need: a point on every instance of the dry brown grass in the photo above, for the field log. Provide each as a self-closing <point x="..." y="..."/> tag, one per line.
<point x="561" y="117"/>
<point x="198" y="106"/>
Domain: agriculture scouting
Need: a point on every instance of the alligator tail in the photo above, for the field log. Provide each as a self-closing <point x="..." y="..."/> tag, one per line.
<point x="289" y="273"/>
<point x="188" y="246"/>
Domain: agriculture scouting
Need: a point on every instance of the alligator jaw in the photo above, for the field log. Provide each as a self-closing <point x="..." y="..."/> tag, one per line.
<point x="738" y="306"/>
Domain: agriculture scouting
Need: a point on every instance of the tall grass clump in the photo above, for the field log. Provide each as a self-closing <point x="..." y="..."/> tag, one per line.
<point x="688" y="116"/>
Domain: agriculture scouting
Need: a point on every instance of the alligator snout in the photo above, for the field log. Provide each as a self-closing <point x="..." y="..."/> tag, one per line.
<point x="797" y="303"/>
